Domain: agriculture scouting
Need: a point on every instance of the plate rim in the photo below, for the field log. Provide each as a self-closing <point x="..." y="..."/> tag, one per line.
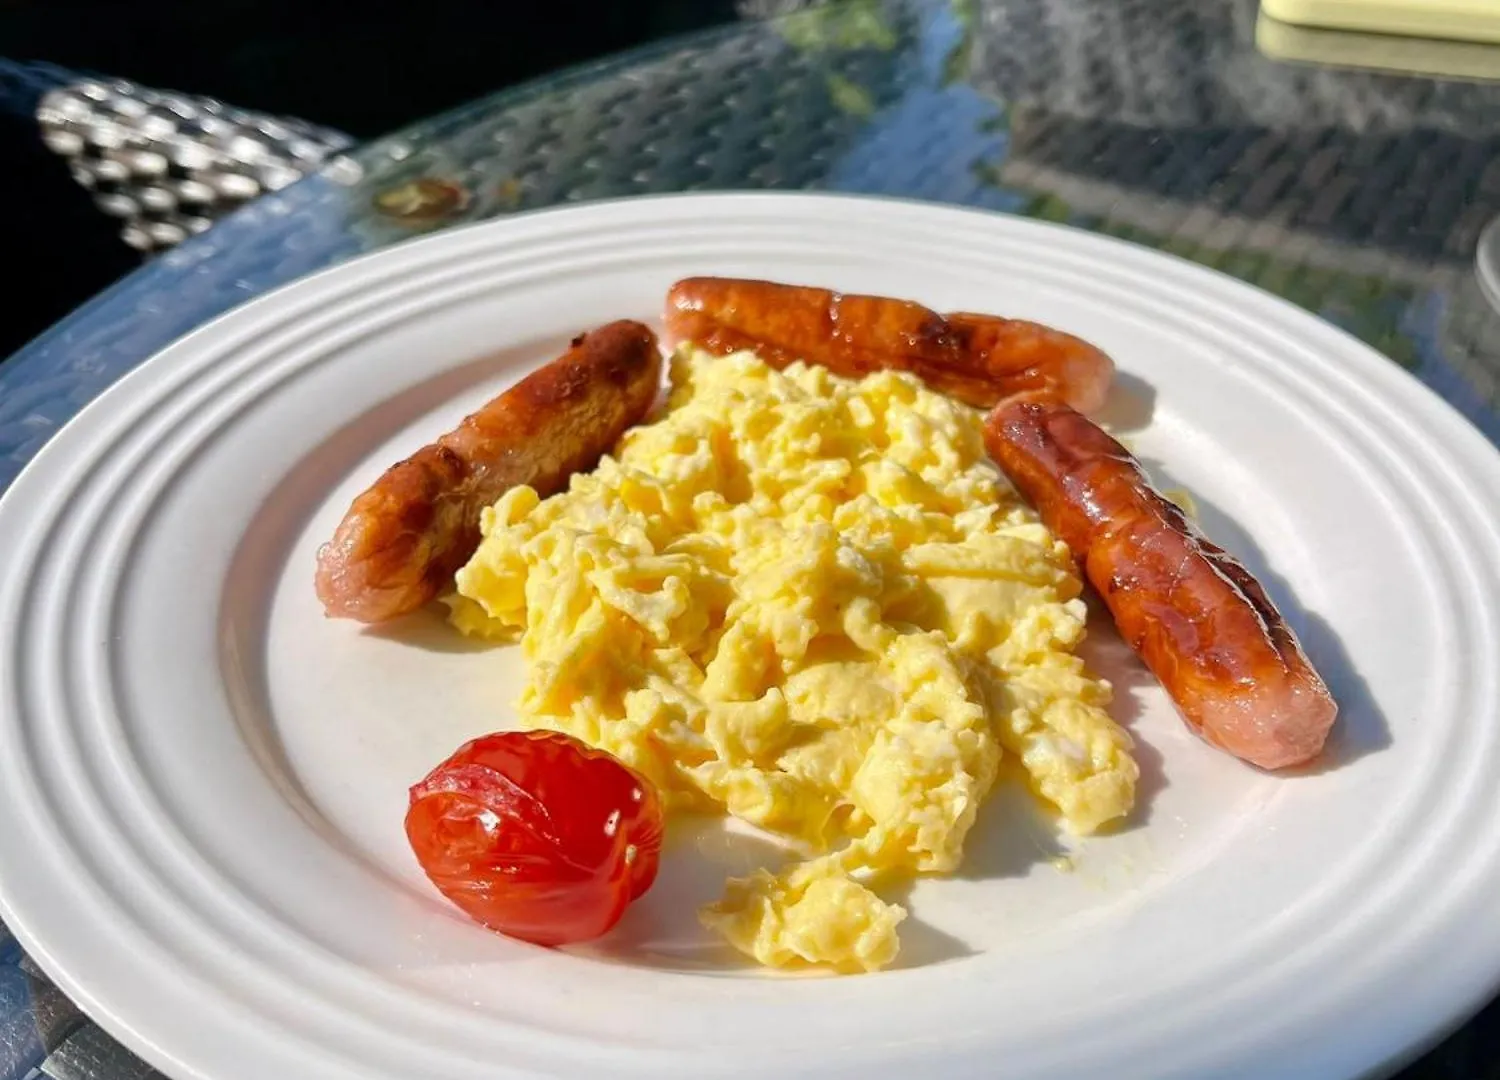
<point x="752" y="196"/>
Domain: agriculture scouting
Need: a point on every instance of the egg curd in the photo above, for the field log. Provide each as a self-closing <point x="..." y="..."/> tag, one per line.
<point x="813" y="603"/>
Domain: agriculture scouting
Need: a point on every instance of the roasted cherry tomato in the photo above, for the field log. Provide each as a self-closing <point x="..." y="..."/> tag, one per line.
<point x="537" y="835"/>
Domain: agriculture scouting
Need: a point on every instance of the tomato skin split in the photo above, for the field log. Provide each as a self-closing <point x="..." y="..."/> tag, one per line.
<point x="537" y="835"/>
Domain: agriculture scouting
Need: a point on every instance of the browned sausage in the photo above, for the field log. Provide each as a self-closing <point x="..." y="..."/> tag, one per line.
<point x="978" y="359"/>
<point x="403" y="539"/>
<point x="1199" y="619"/>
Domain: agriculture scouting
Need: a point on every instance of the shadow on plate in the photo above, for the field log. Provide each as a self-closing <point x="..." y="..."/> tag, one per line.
<point x="1361" y="728"/>
<point x="922" y="944"/>
<point x="1108" y="656"/>
<point x="1130" y="405"/>
<point x="1012" y="832"/>
<point x="661" y="930"/>
<point x="428" y="629"/>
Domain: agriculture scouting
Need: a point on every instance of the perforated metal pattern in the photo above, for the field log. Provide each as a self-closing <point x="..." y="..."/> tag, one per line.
<point x="168" y="165"/>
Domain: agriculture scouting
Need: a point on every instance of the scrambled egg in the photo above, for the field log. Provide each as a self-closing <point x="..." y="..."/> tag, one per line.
<point x="813" y="603"/>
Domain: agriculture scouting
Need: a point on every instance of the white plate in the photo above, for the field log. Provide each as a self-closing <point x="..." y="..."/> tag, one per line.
<point x="202" y="780"/>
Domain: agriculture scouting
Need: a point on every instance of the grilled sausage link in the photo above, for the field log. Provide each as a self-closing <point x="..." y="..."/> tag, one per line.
<point x="978" y="359"/>
<point x="1195" y="615"/>
<point x="403" y="538"/>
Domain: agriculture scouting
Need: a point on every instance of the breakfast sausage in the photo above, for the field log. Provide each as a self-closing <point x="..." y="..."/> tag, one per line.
<point x="978" y="359"/>
<point x="1199" y="619"/>
<point x="403" y="539"/>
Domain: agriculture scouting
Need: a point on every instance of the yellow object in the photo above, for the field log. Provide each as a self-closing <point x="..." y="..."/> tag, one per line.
<point x="1378" y="52"/>
<point x="812" y="603"/>
<point x="1184" y="501"/>
<point x="1459" y="20"/>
